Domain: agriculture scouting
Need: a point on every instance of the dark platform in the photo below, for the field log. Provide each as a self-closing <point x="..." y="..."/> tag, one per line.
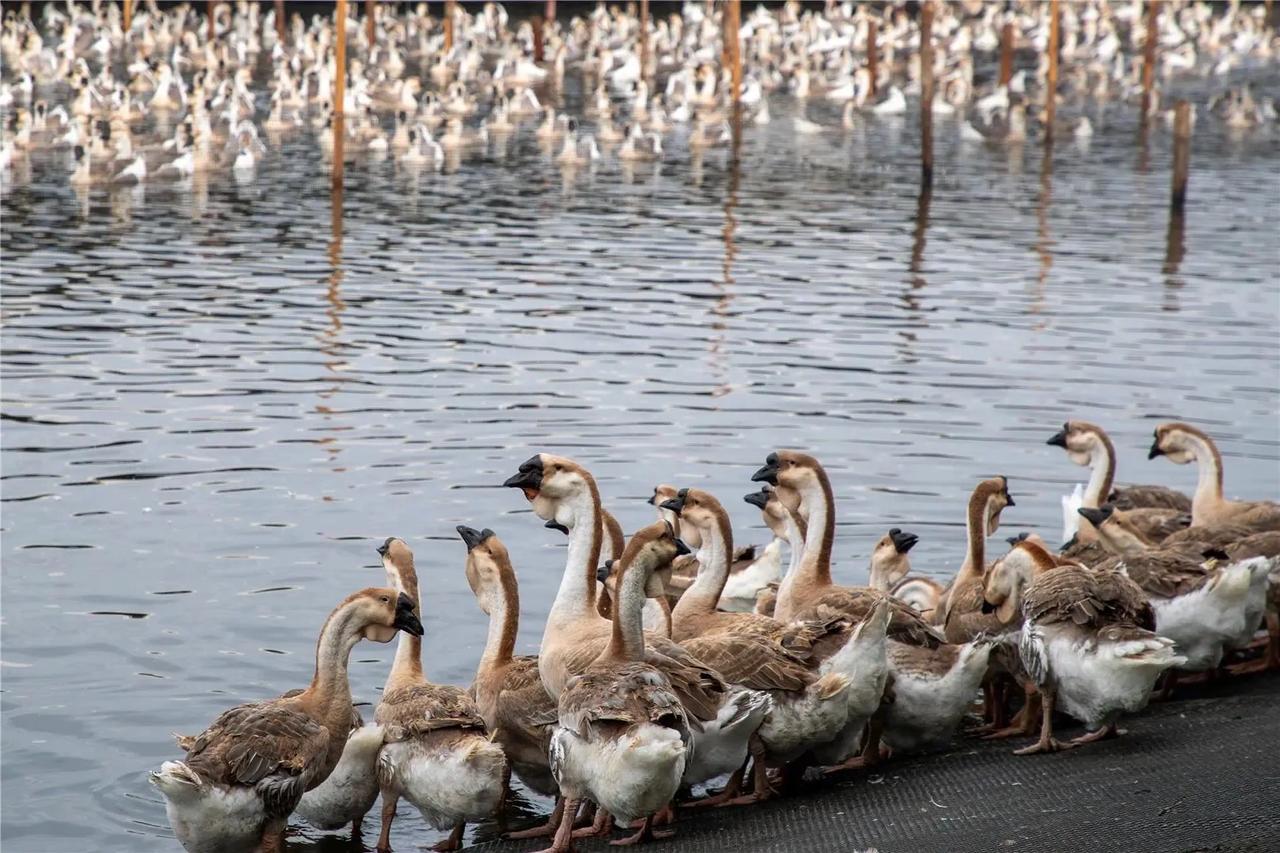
<point x="1194" y="774"/>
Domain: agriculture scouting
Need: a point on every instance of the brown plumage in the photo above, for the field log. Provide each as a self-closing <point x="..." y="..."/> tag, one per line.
<point x="270" y="746"/>
<point x="754" y="662"/>
<point x="1209" y="535"/>
<point x="612" y="697"/>
<point x="416" y="709"/>
<point x="1087" y="598"/>
<point x="1149" y="497"/>
<point x="855" y="605"/>
<point x="1162" y="573"/>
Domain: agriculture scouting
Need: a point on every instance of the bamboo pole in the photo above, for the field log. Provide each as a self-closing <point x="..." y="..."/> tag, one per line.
<point x="339" y="94"/>
<point x="926" y="93"/>
<point x="732" y="27"/>
<point x="1006" y="53"/>
<point x="550" y="14"/>
<point x="644" y="39"/>
<point x="209" y="13"/>
<point x="370" y="21"/>
<point x="873" y="55"/>
<point x="1181" y="154"/>
<point x="448" y="25"/>
<point x="1051" y="85"/>
<point x="538" y="54"/>
<point x="1149" y="56"/>
<point x="128" y="15"/>
<point x="280" y="22"/>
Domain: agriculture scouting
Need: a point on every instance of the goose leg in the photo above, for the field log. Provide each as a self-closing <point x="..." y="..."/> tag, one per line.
<point x="1047" y="743"/>
<point x="1023" y="722"/>
<point x="454" y="841"/>
<point x="1270" y="658"/>
<point x="602" y="825"/>
<point x="546" y="829"/>
<point x="731" y="790"/>
<point x="357" y="827"/>
<point x="388" y="815"/>
<point x="563" y="841"/>
<point x="645" y="833"/>
<point x="872" y="752"/>
<point x="1108" y="731"/>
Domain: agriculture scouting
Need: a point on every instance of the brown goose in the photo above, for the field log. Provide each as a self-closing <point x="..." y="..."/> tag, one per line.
<point x="1182" y="444"/>
<point x="438" y="755"/>
<point x="1088" y="640"/>
<point x="960" y="612"/>
<point x="244" y="774"/>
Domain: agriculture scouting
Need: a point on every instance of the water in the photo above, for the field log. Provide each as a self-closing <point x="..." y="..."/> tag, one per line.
<point x="213" y="412"/>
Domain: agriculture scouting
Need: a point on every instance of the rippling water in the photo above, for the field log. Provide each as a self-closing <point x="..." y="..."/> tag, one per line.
<point x="213" y="410"/>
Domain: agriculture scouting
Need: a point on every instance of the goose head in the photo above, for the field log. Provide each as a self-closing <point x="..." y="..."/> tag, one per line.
<point x="995" y="498"/>
<point x="789" y="469"/>
<point x="1080" y="439"/>
<point x="488" y="567"/>
<point x="549" y="482"/>
<point x="1117" y="532"/>
<point x="379" y="612"/>
<point x="696" y="509"/>
<point x="772" y="510"/>
<point x="652" y="550"/>
<point x="889" y="560"/>
<point x="1176" y="442"/>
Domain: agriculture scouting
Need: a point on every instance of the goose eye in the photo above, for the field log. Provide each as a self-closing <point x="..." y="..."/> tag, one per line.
<point x="385" y="600"/>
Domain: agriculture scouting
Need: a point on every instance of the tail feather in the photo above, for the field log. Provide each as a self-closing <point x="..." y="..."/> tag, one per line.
<point x="1071" y="518"/>
<point x="176" y="780"/>
<point x="830" y="685"/>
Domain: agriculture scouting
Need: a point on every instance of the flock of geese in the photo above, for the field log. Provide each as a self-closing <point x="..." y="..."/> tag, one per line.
<point x="681" y="659"/>
<point x="165" y="101"/>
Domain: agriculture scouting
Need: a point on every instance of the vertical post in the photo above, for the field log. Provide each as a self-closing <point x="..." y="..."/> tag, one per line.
<point x="926" y="93"/>
<point x="1149" y="56"/>
<point x="644" y="39"/>
<point x="448" y="25"/>
<point x="1181" y="154"/>
<point x="538" y="55"/>
<point x="1051" y="86"/>
<point x="280" y="22"/>
<point x="370" y="21"/>
<point x="732" y="27"/>
<point x="209" y="12"/>
<point x="339" y="94"/>
<point x="128" y="15"/>
<point x="873" y="55"/>
<point x="1006" y="53"/>
<point x="550" y="14"/>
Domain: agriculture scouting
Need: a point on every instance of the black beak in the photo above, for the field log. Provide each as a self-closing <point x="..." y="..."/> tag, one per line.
<point x="1095" y="516"/>
<point x="681" y="548"/>
<point x="603" y="572"/>
<point x="555" y="525"/>
<point x="405" y="619"/>
<point x="1014" y="540"/>
<point x="385" y="546"/>
<point x="653" y="498"/>
<point x="676" y="504"/>
<point x="1155" y="449"/>
<point x="528" y="476"/>
<point x="988" y="607"/>
<point x="1059" y="439"/>
<point x="768" y="473"/>
<point x="759" y="499"/>
<point x="903" y="541"/>
<point x="471" y="536"/>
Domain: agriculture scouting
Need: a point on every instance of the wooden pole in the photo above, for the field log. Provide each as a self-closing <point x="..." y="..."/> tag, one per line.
<point x="550" y="14"/>
<point x="370" y="21"/>
<point x="448" y="25"/>
<point x="209" y="12"/>
<point x="128" y="15"/>
<point x="732" y="27"/>
<point x="1149" y="56"/>
<point x="339" y="94"/>
<point x="926" y="93"/>
<point x="280" y="22"/>
<point x="873" y="55"/>
<point x="1181" y="154"/>
<point x="644" y="39"/>
<point x="1006" y="53"/>
<point x="537" y="38"/>
<point x="1051" y="85"/>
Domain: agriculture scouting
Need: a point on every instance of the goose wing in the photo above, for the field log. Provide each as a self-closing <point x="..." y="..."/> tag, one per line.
<point x="421" y="708"/>
<point x="856" y="602"/>
<point x="751" y="661"/>
<point x="268" y="746"/>
<point x="1164" y="574"/>
<point x="524" y="703"/>
<point x="1086" y="598"/>
<point x="614" y="697"/>
<point x="1162" y="497"/>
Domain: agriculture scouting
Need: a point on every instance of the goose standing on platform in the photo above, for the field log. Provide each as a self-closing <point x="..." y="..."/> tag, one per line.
<point x="245" y="774"/>
<point x="351" y="789"/>
<point x="623" y="735"/>
<point x="437" y="755"/>
<point x="1088" y="640"/>
<point x="1182" y="444"/>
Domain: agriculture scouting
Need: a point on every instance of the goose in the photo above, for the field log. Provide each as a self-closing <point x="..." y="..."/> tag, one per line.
<point x="817" y="672"/>
<point x="932" y="691"/>
<point x="622" y="738"/>
<point x="1087" y="444"/>
<point x="570" y="155"/>
<point x="244" y="774"/>
<point x="807" y="592"/>
<point x="517" y="711"/>
<point x="1182" y="444"/>
<point x="639" y="146"/>
<point x="960" y="613"/>
<point x="560" y="489"/>
<point x="1088" y="640"/>
<point x="894" y="104"/>
<point x="437" y="754"/>
<point x="1201" y="609"/>
<point x="1266" y="544"/>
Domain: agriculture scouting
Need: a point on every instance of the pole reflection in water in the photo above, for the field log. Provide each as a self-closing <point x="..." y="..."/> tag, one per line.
<point x="916" y="282"/>
<point x="719" y="361"/>
<point x="1044" y="242"/>
<point x="329" y="340"/>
